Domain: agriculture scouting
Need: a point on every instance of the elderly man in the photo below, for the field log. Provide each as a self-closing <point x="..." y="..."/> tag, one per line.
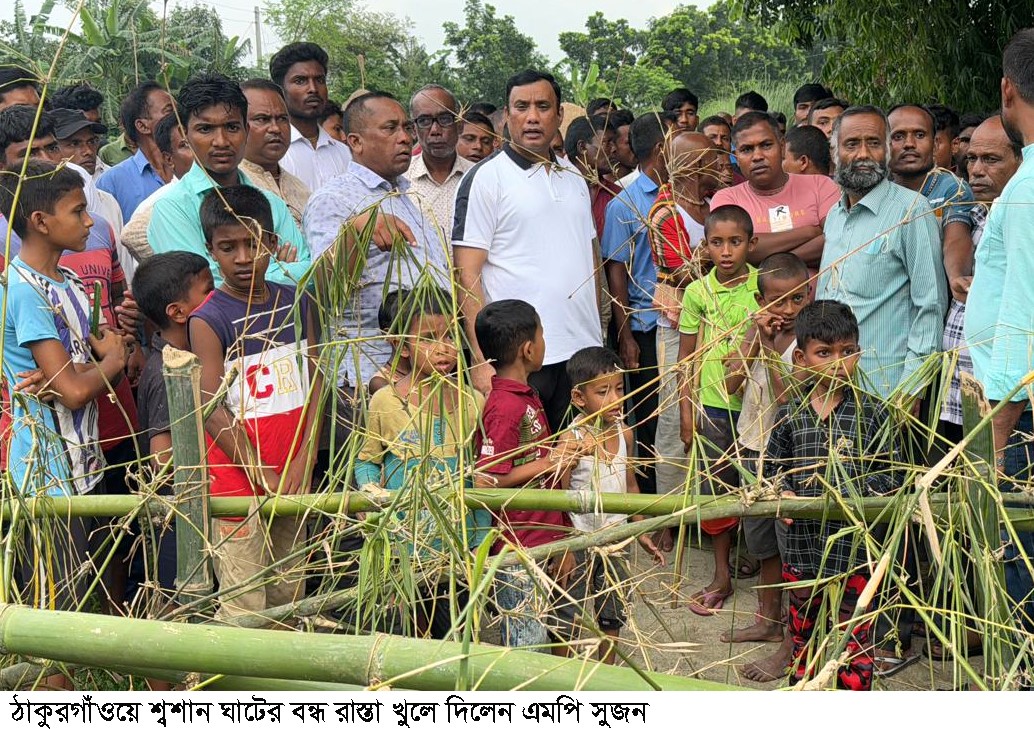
<point x="380" y="136"/>
<point x="524" y="230"/>
<point x="269" y="130"/>
<point x="434" y="175"/>
<point x="1000" y="306"/>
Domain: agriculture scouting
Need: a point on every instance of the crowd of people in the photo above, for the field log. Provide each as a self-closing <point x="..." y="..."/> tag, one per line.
<point x="566" y="298"/>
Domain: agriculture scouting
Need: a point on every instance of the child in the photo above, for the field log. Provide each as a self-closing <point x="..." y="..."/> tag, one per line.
<point x="835" y="435"/>
<point x="420" y="424"/>
<point x="262" y="440"/>
<point x="716" y="311"/>
<point x="598" y="394"/>
<point x="53" y="446"/>
<point x="760" y="368"/>
<point x="514" y="453"/>
<point x="398" y="366"/>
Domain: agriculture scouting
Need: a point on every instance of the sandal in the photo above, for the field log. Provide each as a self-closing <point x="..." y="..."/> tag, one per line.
<point x="706" y="603"/>
<point x="743" y="566"/>
<point x="887" y="666"/>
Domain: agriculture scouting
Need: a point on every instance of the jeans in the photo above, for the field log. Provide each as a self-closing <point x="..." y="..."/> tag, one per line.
<point x="515" y="597"/>
<point x="1018" y="579"/>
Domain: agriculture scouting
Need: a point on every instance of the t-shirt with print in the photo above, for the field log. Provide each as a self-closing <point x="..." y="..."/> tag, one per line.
<point x="52" y="448"/>
<point x="950" y="198"/>
<point x="720" y="317"/>
<point x="266" y="342"/>
<point x="804" y="200"/>
<point x="514" y="431"/>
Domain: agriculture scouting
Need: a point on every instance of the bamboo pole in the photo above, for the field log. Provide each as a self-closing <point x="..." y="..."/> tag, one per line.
<point x="182" y="374"/>
<point x="374" y="660"/>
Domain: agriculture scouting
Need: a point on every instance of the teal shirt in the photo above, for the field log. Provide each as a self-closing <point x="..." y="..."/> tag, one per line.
<point x="883" y="258"/>
<point x="176" y="226"/>
<point x="1000" y="306"/>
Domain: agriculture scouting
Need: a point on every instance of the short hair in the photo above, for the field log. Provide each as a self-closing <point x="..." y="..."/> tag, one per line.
<point x="945" y="119"/>
<point x="421" y="301"/>
<point x="16" y="123"/>
<point x="782" y="267"/>
<point x="331" y="108"/>
<point x="353" y="114"/>
<point x="583" y="129"/>
<point x="388" y="311"/>
<point x="591" y="363"/>
<point x="531" y="76"/>
<point x="474" y="117"/>
<point x="206" y="90"/>
<point x="1014" y="144"/>
<point x="134" y="106"/>
<point x="971" y="119"/>
<point x="811" y="142"/>
<point x="620" y="118"/>
<point x="164" y="279"/>
<point x="713" y="121"/>
<point x="920" y="107"/>
<point x="41" y="188"/>
<point x="1018" y="63"/>
<point x="234" y="206"/>
<point x="826" y="321"/>
<point x="163" y="133"/>
<point x="16" y="77"/>
<point x="503" y="327"/>
<point x="294" y="53"/>
<point x="599" y="104"/>
<point x="751" y="100"/>
<point x="79" y="96"/>
<point x="482" y="107"/>
<point x="828" y="103"/>
<point x="730" y="214"/>
<point x="676" y="98"/>
<point x="860" y="110"/>
<point x="262" y="84"/>
<point x="752" y="118"/>
<point x="648" y="130"/>
<point x="810" y="93"/>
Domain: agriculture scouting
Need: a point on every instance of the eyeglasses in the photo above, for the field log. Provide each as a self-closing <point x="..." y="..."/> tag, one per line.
<point x="445" y="119"/>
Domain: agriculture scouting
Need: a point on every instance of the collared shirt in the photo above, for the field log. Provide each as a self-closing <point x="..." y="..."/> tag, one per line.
<point x="436" y="200"/>
<point x="357" y="191"/>
<point x="883" y="258"/>
<point x="176" y="226"/>
<point x="954" y="337"/>
<point x="131" y="181"/>
<point x="626" y="239"/>
<point x="1000" y="306"/>
<point x="115" y="151"/>
<point x="949" y="196"/>
<point x="315" y="167"/>
<point x="290" y="189"/>
<point x="800" y="458"/>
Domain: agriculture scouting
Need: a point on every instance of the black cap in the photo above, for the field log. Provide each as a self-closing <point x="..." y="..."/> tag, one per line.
<point x="69" y="121"/>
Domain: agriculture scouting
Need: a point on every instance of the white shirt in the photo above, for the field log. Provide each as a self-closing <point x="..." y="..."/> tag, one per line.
<point x="537" y="228"/>
<point x="315" y="167"/>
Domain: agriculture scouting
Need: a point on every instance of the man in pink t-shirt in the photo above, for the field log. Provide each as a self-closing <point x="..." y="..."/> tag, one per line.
<point x="788" y="211"/>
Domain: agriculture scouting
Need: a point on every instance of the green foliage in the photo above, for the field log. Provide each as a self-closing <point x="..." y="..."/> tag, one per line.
<point x="887" y="51"/>
<point x="778" y="94"/>
<point x="610" y="44"/>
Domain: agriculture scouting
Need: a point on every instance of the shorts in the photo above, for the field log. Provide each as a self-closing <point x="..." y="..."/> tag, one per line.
<point x="533" y="614"/>
<point x="53" y="567"/>
<point x="716" y="434"/>
<point x="605" y="580"/>
<point x="765" y="537"/>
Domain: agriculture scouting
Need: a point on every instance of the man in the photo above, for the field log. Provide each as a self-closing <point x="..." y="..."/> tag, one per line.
<point x="434" y="175"/>
<point x="632" y="276"/>
<point x="589" y="145"/>
<point x="960" y="145"/>
<point x="88" y="100"/>
<point x="601" y="106"/>
<point x="680" y="107"/>
<point x="380" y="136"/>
<point x="824" y="112"/>
<point x="477" y="137"/>
<point x="788" y="211"/>
<point x="78" y="137"/>
<point x="623" y="162"/>
<point x="214" y="111"/>
<point x="300" y="69"/>
<point x="17" y="86"/>
<point x="946" y="125"/>
<point x="806" y="152"/>
<point x="719" y="131"/>
<point x="803" y="99"/>
<point x="748" y="102"/>
<point x="912" y="166"/>
<point x="134" y="179"/>
<point x="269" y="129"/>
<point x="524" y="230"/>
<point x="1000" y="305"/>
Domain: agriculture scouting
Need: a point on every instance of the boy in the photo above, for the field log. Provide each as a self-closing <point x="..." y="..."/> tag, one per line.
<point x="514" y="453"/>
<point x="398" y="364"/>
<point x="263" y="438"/>
<point x="419" y="425"/>
<point x="54" y="447"/>
<point x="836" y="436"/>
<point x="760" y="369"/>
<point x="599" y="394"/>
<point x="716" y="311"/>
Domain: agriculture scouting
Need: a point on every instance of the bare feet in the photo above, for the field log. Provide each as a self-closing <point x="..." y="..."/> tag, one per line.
<point x="664" y="540"/>
<point x="763" y="631"/>
<point x="768" y="669"/>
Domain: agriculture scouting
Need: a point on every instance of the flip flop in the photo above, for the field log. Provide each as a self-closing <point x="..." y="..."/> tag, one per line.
<point x="708" y="602"/>
<point x="887" y="666"/>
<point x="744" y="566"/>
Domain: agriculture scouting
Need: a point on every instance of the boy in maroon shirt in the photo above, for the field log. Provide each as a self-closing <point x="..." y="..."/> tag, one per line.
<point x="514" y="452"/>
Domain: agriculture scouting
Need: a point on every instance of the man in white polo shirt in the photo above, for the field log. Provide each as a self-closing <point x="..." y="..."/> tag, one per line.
<point x="523" y="230"/>
<point x="313" y="156"/>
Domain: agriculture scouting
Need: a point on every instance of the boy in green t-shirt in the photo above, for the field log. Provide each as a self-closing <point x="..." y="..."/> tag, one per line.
<point x="716" y="313"/>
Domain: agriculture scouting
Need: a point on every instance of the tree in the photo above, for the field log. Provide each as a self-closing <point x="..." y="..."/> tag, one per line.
<point x="196" y="34"/>
<point x="29" y="42"/>
<point x="610" y="44"/>
<point x="885" y="51"/>
<point x="488" y="50"/>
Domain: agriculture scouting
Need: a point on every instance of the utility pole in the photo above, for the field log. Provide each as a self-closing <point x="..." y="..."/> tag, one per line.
<point x="258" y="37"/>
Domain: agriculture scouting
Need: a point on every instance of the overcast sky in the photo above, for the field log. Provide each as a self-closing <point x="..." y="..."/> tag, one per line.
<point x="543" y="21"/>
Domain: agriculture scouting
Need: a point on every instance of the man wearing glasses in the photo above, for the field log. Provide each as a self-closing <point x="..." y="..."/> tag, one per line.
<point x="434" y="175"/>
